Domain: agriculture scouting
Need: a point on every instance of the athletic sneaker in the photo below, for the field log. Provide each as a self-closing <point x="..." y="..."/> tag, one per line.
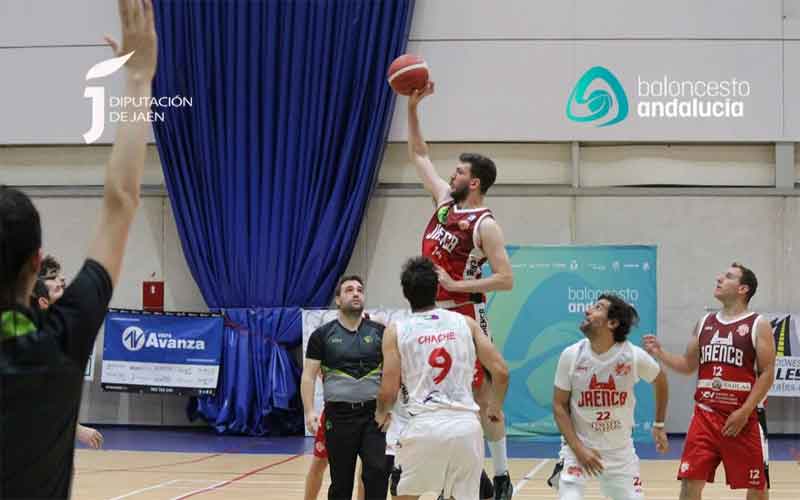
<point x="503" y="489"/>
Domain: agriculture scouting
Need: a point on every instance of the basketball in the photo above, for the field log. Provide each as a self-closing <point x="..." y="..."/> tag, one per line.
<point x="408" y="73"/>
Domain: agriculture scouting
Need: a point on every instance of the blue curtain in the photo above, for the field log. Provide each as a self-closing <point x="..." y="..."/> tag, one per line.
<point x="270" y="169"/>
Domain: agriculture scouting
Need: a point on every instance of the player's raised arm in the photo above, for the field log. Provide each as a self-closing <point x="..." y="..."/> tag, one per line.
<point x="126" y="165"/>
<point x="685" y="363"/>
<point x="418" y="150"/>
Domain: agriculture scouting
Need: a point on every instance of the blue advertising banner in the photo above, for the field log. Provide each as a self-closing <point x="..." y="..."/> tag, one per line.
<point x="539" y="318"/>
<point x="155" y="352"/>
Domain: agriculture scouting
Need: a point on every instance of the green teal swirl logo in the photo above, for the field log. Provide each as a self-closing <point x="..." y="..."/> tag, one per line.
<point x="599" y="102"/>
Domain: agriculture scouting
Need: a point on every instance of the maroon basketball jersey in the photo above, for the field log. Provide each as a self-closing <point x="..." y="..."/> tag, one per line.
<point x="727" y="362"/>
<point x="451" y="241"/>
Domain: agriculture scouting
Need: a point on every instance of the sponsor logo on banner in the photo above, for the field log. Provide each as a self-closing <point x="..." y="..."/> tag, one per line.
<point x="133" y="338"/>
<point x="581" y="299"/>
<point x="120" y="106"/>
<point x="599" y="97"/>
<point x="169" y="353"/>
<point x="787" y="363"/>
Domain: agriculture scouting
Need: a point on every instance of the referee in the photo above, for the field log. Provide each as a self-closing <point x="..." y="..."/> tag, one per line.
<point x="348" y="349"/>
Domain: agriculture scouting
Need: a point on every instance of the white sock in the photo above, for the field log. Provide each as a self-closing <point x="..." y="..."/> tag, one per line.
<point x="499" y="456"/>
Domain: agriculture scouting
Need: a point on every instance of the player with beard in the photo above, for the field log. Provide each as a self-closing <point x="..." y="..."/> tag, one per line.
<point x="460" y="237"/>
<point x="593" y="404"/>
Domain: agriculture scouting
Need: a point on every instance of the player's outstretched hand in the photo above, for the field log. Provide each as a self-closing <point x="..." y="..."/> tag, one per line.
<point x="445" y="281"/>
<point x="652" y="345"/>
<point x="139" y="37"/>
<point x="419" y="94"/>
<point x="89" y="437"/>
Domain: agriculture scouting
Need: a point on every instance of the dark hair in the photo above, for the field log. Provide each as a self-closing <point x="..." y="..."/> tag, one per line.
<point x="419" y="282"/>
<point x="748" y="278"/>
<point x="482" y="168"/>
<point x="624" y="313"/>
<point x="20" y="239"/>
<point x="50" y="267"/>
<point x="350" y="277"/>
<point x="40" y="291"/>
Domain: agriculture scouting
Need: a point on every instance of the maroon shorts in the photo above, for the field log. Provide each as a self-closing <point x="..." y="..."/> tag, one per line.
<point x="743" y="456"/>
<point x="320" y="450"/>
<point x="478" y="313"/>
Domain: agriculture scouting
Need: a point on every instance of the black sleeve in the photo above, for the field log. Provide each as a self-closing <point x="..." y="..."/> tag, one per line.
<point x="77" y="316"/>
<point x="316" y="345"/>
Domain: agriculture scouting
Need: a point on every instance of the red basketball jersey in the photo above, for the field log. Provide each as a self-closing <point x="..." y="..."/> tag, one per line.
<point x="452" y="242"/>
<point x="727" y="362"/>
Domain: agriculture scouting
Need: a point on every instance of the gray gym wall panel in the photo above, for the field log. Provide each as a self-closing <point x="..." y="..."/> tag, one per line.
<point x="797" y="164"/>
<point x="40" y="22"/>
<point x="791" y="19"/>
<point x="477" y="19"/>
<point x="517" y="163"/>
<point x="791" y="89"/>
<point x="36" y="23"/>
<point x="709" y="19"/>
<point x="67" y="165"/>
<point x="680" y="164"/>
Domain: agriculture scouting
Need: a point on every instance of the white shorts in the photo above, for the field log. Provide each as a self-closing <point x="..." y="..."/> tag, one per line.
<point x="396" y="428"/>
<point x="440" y="452"/>
<point x="619" y="480"/>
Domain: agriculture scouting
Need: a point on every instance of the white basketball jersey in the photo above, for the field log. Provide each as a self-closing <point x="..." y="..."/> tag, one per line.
<point x="437" y="356"/>
<point x="602" y="399"/>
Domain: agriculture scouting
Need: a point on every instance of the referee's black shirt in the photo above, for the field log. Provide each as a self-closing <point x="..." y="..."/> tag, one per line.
<point x="352" y="362"/>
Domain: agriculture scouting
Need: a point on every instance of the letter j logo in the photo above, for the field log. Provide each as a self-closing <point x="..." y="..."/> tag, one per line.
<point x="98" y="94"/>
<point x="585" y="106"/>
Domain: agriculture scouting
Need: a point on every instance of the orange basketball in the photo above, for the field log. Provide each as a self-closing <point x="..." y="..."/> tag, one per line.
<point x="408" y="73"/>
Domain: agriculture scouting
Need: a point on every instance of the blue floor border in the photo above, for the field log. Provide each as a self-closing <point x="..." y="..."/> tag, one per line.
<point x="204" y="440"/>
